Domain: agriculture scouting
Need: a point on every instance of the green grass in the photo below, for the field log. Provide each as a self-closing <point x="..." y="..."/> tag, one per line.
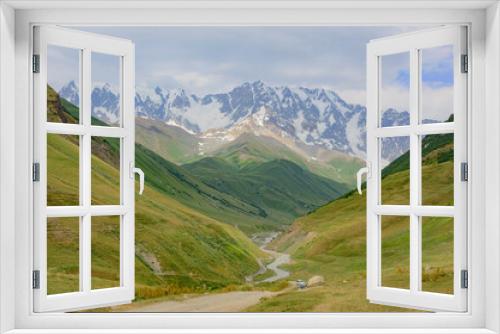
<point x="170" y="142"/>
<point x="178" y="146"/>
<point x="179" y="183"/>
<point x="268" y="273"/>
<point x="280" y="189"/>
<point x="249" y="149"/>
<point x="331" y="241"/>
<point x="189" y="247"/>
<point x="437" y="254"/>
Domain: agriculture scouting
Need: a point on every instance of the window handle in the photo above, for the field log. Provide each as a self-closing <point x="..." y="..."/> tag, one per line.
<point x="359" y="176"/>
<point x="134" y="170"/>
<point x="141" y="179"/>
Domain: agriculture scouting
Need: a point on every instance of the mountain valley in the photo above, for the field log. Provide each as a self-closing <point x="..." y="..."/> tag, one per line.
<point x="223" y="170"/>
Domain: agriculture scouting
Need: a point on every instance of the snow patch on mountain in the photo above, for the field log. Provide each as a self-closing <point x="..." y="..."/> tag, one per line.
<point x="355" y="137"/>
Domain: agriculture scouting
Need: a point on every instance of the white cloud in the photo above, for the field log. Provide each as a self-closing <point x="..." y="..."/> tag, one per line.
<point x="437" y="103"/>
<point x="394" y="96"/>
<point x="353" y="96"/>
<point x="62" y="66"/>
<point x="195" y="77"/>
<point x="312" y="56"/>
<point x="214" y="59"/>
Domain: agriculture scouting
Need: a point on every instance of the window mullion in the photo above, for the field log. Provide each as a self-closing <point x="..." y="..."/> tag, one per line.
<point x="415" y="249"/>
<point x="85" y="174"/>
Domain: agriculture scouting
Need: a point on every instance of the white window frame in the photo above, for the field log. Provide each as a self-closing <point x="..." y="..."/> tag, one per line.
<point x="483" y="17"/>
<point x="85" y="44"/>
<point x="412" y="44"/>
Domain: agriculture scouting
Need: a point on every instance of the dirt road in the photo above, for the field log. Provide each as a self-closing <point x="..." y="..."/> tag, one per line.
<point x="279" y="259"/>
<point x="235" y="301"/>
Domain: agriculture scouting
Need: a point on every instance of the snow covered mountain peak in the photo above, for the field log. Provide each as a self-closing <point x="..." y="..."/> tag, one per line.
<point x="71" y="92"/>
<point x="315" y="117"/>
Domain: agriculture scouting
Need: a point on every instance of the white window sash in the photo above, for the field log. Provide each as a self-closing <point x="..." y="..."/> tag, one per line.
<point x="86" y="43"/>
<point x="414" y="297"/>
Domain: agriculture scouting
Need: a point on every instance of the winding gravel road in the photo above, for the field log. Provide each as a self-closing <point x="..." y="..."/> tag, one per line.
<point x="234" y="301"/>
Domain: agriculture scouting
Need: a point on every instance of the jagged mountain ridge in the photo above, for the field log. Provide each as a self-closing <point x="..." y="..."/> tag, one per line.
<point x="312" y="117"/>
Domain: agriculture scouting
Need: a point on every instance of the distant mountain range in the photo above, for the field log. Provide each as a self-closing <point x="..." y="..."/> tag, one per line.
<point x="310" y="117"/>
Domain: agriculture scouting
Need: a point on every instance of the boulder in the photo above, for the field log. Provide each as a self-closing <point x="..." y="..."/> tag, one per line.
<point x="315" y="281"/>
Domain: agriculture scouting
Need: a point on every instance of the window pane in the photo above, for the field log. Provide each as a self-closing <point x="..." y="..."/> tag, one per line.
<point x="437" y="254"/>
<point x="395" y="176"/>
<point x="63" y="81"/>
<point x="63" y="180"/>
<point x="395" y="234"/>
<point x="437" y="169"/>
<point x="394" y="94"/>
<point x="63" y="257"/>
<point x="105" y="171"/>
<point x="106" y="87"/>
<point x="105" y="252"/>
<point x="437" y="84"/>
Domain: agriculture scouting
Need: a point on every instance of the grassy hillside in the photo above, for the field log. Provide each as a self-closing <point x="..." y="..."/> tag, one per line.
<point x="331" y="242"/>
<point x="249" y="149"/>
<point x="178" y="146"/>
<point x="246" y="186"/>
<point x="179" y="183"/>
<point x="177" y="248"/>
<point x="170" y="142"/>
<point x="280" y="189"/>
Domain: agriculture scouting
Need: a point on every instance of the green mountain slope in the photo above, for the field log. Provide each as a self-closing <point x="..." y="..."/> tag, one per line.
<point x="187" y="188"/>
<point x="435" y="149"/>
<point x="170" y="142"/>
<point x="178" y="146"/>
<point x="331" y="242"/>
<point x="178" y="249"/>
<point x="280" y="189"/>
<point x="250" y="149"/>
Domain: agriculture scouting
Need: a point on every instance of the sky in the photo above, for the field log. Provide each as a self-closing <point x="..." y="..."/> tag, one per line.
<point x="205" y="60"/>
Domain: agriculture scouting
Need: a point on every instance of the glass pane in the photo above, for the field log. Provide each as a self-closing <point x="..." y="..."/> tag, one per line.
<point x="394" y="95"/>
<point x="395" y="176"/>
<point x="437" y="169"/>
<point x="63" y="163"/>
<point x="63" y="78"/>
<point x="437" y="254"/>
<point x="395" y="234"/>
<point x="106" y="87"/>
<point x="63" y="255"/>
<point x="105" y="171"/>
<point x="437" y="84"/>
<point x="105" y="252"/>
